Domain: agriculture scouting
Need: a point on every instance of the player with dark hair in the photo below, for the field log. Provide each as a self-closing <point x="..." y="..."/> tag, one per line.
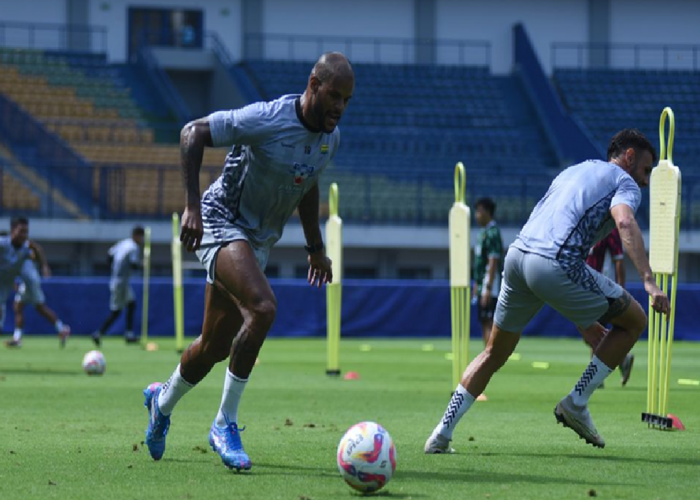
<point x="488" y="264"/>
<point x="124" y="257"/>
<point x="279" y="149"/>
<point x="17" y="256"/>
<point x="546" y="265"/>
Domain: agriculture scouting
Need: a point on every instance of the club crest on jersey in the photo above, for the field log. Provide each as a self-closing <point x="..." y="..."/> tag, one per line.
<point x="301" y="172"/>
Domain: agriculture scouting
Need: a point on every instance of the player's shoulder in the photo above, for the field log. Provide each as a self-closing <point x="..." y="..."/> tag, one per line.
<point x="283" y="106"/>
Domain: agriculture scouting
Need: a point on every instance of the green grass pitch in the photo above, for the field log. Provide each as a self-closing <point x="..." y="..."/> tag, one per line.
<point x="64" y="435"/>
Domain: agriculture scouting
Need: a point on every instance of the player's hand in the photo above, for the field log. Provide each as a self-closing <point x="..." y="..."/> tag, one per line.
<point x="191" y="228"/>
<point x="593" y="334"/>
<point x="320" y="271"/>
<point x="485" y="298"/>
<point x="659" y="301"/>
<point x="46" y="271"/>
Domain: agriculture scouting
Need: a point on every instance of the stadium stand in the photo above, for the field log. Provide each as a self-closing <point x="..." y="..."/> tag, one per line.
<point x="408" y="125"/>
<point x="86" y="102"/>
<point x="607" y="100"/>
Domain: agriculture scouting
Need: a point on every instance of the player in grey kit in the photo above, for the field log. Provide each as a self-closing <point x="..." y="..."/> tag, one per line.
<point x="17" y="253"/>
<point x="280" y="148"/>
<point x="124" y="256"/>
<point x="547" y="264"/>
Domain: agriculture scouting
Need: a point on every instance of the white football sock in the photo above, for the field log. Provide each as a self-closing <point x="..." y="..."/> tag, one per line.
<point x="592" y="377"/>
<point x="459" y="404"/>
<point x="17" y="335"/>
<point x="233" y="390"/>
<point x="173" y="390"/>
<point x="58" y="325"/>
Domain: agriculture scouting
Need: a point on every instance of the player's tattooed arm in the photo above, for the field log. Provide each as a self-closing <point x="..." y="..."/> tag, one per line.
<point x="195" y="136"/>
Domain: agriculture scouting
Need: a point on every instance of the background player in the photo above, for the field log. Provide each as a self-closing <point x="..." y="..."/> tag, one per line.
<point x="488" y="259"/>
<point x="15" y="250"/>
<point x="124" y="257"/>
<point x="280" y="148"/>
<point x="29" y="292"/>
<point x="612" y="245"/>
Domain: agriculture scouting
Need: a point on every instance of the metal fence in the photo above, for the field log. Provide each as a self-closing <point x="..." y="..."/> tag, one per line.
<point x="51" y="36"/>
<point x="625" y="56"/>
<point x="152" y="192"/>
<point x="376" y="50"/>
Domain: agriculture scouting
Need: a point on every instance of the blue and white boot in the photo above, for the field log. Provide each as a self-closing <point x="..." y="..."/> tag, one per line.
<point x="158" y="424"/>
<point x="226" y="441"/>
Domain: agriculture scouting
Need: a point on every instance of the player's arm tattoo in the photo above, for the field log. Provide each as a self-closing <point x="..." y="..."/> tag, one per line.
<point x="308" y="214"/>
<point x="194" y="137"/>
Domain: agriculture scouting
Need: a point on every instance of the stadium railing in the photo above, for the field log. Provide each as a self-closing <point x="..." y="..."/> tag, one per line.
<point x="146" y="191"/>
<point x="146" y="60"/>
<point x="625" y="56"/>
<point x="53" y="36"/>
<point x="378" y="50"/>
<point x="571" y="140"/>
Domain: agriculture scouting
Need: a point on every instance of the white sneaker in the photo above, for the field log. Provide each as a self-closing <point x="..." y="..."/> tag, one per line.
<point x="437" y="443"/>
<point x="579" y="420"/>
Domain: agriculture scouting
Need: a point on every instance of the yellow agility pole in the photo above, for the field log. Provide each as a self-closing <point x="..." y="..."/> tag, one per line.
<point x="146" y="282"/>
<point x="459" y="226"/>
<point x="334" y="246"/>
<point x="178" y="304"/>
<point x="664" y="228"/>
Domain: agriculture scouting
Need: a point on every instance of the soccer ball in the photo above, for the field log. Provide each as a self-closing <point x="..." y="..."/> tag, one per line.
<point x="94" y="363"/>
<point x="366" y="457"/>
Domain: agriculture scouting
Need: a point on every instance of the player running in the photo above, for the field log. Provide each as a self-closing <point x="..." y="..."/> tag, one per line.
<point x="124" y="256"/>
<point x="17" y="260"/>
<point x="280" y="148"/>
<point x="546" y="264"/>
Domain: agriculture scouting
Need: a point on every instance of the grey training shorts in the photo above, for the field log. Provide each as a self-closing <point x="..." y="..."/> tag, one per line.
<point x="530" y="281"/>
<point x="120" y="296"/>
<point x="214" y="240"/>
<point x="29" y="290"/>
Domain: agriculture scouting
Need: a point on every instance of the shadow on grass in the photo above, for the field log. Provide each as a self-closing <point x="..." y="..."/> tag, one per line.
<point x="39" y="371"/>
<point x="602" y="458"/>
<point x="455" y="476"/>
<point x="470" y="475"/>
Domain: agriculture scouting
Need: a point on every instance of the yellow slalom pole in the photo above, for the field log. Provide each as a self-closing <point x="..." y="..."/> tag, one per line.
<point x="459" y="229"/>
<point x="178" y="304"/>
<point x="334" y="246"/>
<point x="664" y="229"/>
<point x="146" y="283"/>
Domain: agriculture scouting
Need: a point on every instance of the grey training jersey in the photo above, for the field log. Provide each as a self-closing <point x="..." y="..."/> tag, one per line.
<point x="275" y="160"/>
<point x="11" y="260"/>
<point x="575" y="212"/>
<point x="125" y="254"/>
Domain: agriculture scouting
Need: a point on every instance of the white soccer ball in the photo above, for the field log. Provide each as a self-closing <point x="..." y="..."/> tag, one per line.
<point x="366" y="457"/>
<point x="94" y="363"/>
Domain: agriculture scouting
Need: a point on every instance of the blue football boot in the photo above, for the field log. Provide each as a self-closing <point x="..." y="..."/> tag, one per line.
<point x="226" y="441"/>
<point x="158" y="424"/>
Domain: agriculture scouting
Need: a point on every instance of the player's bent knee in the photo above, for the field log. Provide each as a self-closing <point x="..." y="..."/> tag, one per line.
<point x="263" y="314"/>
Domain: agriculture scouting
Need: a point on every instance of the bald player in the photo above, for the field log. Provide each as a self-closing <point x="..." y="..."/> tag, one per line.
<point x="279" y="150"/>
